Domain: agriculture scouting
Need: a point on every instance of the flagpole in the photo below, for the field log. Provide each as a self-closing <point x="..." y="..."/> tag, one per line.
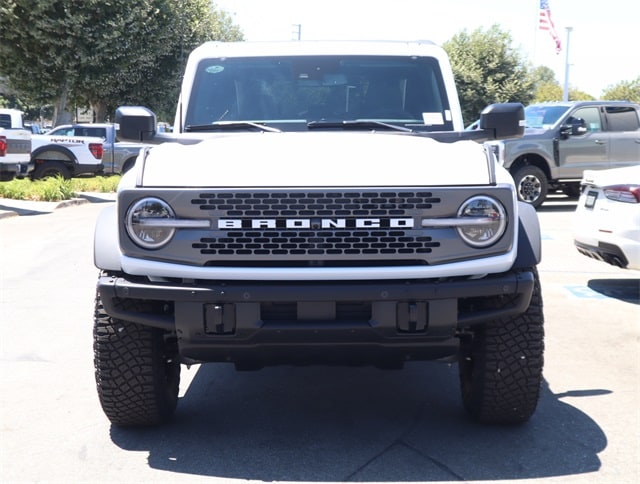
<point x="565" y="92"/>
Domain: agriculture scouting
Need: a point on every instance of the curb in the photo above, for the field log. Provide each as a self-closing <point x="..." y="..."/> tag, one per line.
<point x="15" y="208"/>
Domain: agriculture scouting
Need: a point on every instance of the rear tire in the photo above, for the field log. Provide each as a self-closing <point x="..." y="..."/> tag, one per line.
<point x="531" y="184"/>
<point x="501" y="366"/>
<point x="48" y="169"/>
<point x="137" y="370"/>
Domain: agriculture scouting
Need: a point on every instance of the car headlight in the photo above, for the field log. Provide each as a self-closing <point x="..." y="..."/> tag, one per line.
<point x="482" y="221"/>
<point x="150" y="223"/>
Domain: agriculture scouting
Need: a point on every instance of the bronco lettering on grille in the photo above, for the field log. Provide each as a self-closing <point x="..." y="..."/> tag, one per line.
<point x="316" y="223"/>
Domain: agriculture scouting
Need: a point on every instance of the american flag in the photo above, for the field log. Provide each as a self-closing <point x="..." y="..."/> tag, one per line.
<point x="547" y="24"/>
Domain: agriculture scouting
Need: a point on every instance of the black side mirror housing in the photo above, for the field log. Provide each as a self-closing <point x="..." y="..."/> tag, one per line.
<point x="573" y="127"/>
<point x="505" y="120"/>
<point x="135" y="123"/>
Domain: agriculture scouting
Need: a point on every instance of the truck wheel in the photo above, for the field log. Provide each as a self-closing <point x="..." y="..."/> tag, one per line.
<point x="501" y="366"/>
<point x="48" y="169"/>
<point x="137" y="370"/>
<point x="531" y="185"/>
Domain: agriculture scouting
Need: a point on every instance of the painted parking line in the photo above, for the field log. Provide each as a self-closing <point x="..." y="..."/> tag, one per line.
<point x="584" y="292"/>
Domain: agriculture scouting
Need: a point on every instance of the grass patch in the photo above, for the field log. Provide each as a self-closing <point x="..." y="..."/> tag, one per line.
<point x="56" y="189"/>
<point x="97" y="184"/>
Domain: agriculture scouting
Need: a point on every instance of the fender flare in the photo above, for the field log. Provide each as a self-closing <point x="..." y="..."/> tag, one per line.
<point x="128" y="163"/>
<point x="529" y="237"/>
<point x="62" y="153"/>
<point x="106" y="244"/>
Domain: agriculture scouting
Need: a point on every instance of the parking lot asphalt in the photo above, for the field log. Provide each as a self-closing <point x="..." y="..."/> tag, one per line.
<point x="309" y="425"/>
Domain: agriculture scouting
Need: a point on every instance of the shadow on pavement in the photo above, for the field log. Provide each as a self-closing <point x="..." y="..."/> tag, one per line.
<point x="22" y="211"/>
<point x="627" y="290"/>
<point x="359" y="424"/>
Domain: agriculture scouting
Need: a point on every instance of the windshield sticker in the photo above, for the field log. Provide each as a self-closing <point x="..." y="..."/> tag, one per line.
<point x="432" y="118"/>
<point x="214" y="69"/>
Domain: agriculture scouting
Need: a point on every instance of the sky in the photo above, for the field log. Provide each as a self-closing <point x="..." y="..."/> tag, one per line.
<point x="603" y="44"/>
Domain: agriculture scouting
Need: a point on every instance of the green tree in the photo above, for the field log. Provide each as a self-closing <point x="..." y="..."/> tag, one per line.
<point x="548" y="91"/>
<point x="487" y="69"/>
<point x="551" y="91"/>
<point x="33" y="50"/>
<point x="578" y="95"/>
<point x="546" y="88"/>
<point x="151" y="53"/>
<point x="542" y="75"/>
<point x="624" y="91"/>
<point x="104" y="53"/>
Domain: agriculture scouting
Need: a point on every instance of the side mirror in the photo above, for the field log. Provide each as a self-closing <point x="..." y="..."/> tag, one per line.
<point x="573" y="127"/>
<point x="135" y="123"/>
<point x="504" y="120"/>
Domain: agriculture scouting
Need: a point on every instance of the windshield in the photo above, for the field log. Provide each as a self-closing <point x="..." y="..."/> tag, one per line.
<point x="298" y="90"/>
<point x="543" y="116"/>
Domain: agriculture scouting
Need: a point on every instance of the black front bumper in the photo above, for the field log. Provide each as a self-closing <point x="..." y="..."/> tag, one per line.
<point x="354" y="322"/>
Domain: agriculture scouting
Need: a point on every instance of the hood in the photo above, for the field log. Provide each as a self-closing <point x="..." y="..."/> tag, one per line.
<point x="316" y="159"/>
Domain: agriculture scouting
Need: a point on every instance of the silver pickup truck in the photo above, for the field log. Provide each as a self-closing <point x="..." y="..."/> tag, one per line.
<point x="118" y="156"/>
<point x="562" y="140"/>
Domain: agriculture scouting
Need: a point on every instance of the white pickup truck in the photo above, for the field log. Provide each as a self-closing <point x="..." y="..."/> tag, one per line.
<point x="65" y="156"/>
<point x="118" y="157"/>
<point x="15" y="145"/>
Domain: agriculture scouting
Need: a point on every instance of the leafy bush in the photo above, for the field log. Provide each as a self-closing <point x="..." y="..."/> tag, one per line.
<point x="56" y="189"/>
<point x="15" y="189"/>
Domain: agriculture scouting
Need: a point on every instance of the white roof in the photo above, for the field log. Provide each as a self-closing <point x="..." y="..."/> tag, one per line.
<point x="319" y="47"/>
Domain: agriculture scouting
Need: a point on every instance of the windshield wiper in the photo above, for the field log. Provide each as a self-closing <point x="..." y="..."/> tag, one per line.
<point x="357" y="124"/>
<point x="230" y="125"/>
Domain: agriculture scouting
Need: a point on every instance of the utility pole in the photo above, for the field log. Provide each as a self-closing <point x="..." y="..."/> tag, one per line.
<point x="565" y="93"/>
<point x="297" y="33"/>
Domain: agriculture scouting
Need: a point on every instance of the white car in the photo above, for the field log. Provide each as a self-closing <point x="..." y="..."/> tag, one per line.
<point x="607" y="220"/>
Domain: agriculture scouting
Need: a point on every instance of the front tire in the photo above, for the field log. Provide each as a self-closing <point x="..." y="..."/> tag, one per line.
<point x="501" y="366"/>
<point x="531" y="184"/>
<point x="137" y="370"/>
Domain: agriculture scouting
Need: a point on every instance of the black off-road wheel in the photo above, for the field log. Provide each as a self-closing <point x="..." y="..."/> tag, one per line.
<point x="49" y="169"/>
<point x="137" y="370"/>
<point x="531" y="184"/>
<point x="501" y="366"/>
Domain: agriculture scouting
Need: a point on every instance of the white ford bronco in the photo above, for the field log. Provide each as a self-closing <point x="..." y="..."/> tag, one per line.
<point x="318" y="203"/>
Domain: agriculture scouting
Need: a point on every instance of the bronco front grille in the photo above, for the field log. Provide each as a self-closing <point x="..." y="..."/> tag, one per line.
<point x="343" y="205"/>
<point x="283" y="227"/>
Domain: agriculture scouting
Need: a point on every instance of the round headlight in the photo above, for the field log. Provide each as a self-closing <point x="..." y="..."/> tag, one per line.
<point x="486" y="221"/>
<point x="147" y="223"/>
